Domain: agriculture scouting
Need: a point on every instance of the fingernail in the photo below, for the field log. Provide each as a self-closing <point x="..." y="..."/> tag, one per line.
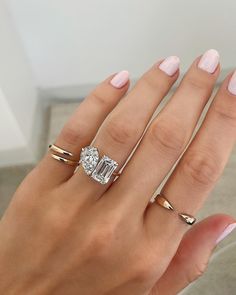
<point x="120" y="79"/>
<point x="170" y="65"/>
<point x="209" y="61"/>
<point x="232" y="84"/>
<point x="226" y="232"/>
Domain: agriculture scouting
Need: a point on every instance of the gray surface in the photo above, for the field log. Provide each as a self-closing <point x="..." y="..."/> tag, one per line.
<point x="10" y="178"/>
<point x="220" y="277"/>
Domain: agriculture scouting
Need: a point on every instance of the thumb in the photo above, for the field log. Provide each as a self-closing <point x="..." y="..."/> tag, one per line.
<point x="193" y="254"/>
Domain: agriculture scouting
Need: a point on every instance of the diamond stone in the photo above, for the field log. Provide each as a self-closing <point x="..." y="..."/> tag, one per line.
<point x="104" y="170"/>
<point x="89" y="158"/>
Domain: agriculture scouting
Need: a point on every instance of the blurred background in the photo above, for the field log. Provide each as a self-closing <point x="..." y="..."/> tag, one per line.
<point x="53" y="52"/>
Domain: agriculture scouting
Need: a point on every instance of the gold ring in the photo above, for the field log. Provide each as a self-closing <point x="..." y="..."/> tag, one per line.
<point x="163" y="202"/>
<point x="116" y="174"/>
<point x="59" y="150"/>
<point x="64" y="160"/>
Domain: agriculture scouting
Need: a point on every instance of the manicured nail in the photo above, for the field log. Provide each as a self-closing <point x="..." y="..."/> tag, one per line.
<point x="226" y="232"/>
<point x="120" y="79"/>
<point x="209" y="61"/>
<point x="170" y="65"/>
<point x="232" y="84"/>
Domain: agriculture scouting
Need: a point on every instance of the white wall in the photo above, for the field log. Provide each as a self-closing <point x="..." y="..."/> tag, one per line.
<point x="18" y="95"/>
<point x="10" y="133"/>
<point x="75" y="42"/>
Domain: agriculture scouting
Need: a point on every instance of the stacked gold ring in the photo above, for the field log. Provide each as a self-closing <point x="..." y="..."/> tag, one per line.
<point x="163" y="202"/>
<point x="62" y="154"/>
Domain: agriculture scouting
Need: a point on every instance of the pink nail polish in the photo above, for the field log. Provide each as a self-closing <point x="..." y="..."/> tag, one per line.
<point x="170" y="65"/>
<point x="226" y="232"/>
<point x="120" y="79"/>
<point x="209" y="61"/>
<point x="232" y="84"/>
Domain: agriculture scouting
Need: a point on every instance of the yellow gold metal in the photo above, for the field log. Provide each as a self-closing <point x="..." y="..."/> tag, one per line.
<point x="64" y="160"/>
<point x="116" y="174"/>
<point x="189" y="219"/>
<point x="59" y="150"/>
<point x="164" y="202"/>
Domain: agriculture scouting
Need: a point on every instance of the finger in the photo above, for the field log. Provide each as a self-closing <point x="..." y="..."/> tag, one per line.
<point x="166" y="137"/>
<point x="126" y="124"/>
<point x="193" y="254"/>
<point x="202" y="164"/>
<point x="82" y="126"/>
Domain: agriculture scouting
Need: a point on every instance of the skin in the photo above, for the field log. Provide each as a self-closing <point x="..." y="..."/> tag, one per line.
<point x="64" y="233"/>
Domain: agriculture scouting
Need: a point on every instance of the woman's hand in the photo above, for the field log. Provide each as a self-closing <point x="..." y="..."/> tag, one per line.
<point x="65" y="233"/>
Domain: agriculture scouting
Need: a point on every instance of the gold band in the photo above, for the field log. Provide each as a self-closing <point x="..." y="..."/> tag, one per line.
<point x="163" y="202"/>
<point x="64" y="160"/>
<point x="116" y="174"/>
<point x="189" y="219"/>
<point x="59" y="150"/>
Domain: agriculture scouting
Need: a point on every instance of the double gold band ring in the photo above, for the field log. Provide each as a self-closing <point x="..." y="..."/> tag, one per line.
<point x="163" y="202"/>
<point x="59" y="150"/>
<point x="62" y="153"/>
<point x="64" y="160"/>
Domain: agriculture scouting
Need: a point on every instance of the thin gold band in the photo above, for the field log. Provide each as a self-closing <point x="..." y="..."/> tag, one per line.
<point x="160" y="200"/>
<point x="163" y="202"/>
<point x="59" y="150"/>
<point x="116" y="174"/>
<point x="64" y="160"/>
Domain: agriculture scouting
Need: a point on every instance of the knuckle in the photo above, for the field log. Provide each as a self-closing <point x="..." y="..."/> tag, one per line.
<point x="143" y="274"/>
<point x="121" y="131"/>
<point x="100" y="241"/>
<point x="98" y="98"/>
<point x="72" y="134"/>
<point x="198" y="82"/>
<point x="168" y="136"/>
<point x="143" y="264"/>
<point x="198" y="269"/>
<point x="145" y="270"/>
<point x="57" y="223"/>
<point x="226" y="112"/>
<point x="201" y="168"/>
<point x="151" y="80"/>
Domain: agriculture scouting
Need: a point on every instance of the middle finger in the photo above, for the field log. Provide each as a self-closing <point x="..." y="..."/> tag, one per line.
<point x="167" y="136"/>
<point x="126" y="123"/>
